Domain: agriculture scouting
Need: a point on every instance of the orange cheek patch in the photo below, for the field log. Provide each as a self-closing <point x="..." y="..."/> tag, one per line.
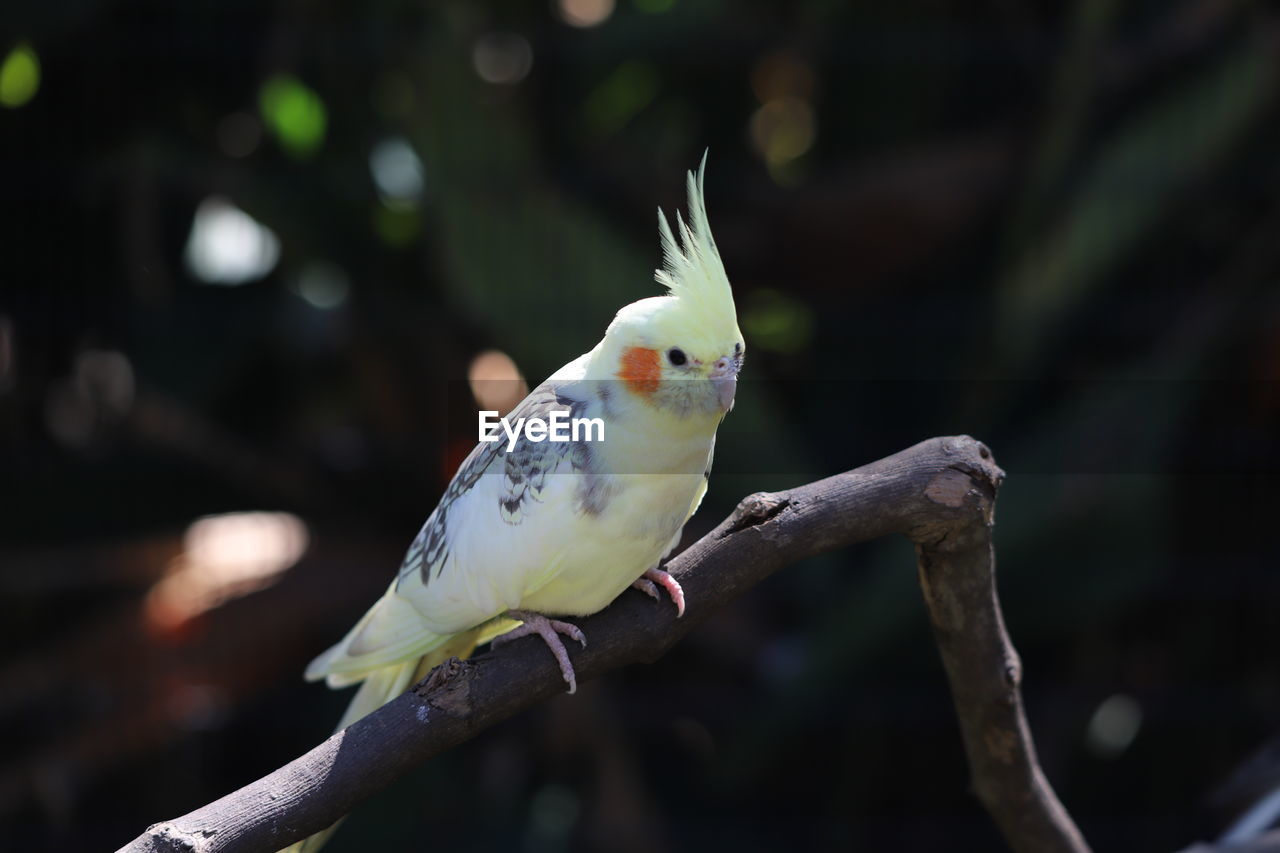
<point x="641" y="370"/>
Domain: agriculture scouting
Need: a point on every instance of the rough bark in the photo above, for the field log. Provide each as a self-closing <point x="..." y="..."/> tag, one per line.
<point x="940" y="493"/>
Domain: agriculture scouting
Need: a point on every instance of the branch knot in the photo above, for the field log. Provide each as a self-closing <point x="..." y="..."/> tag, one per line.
<point x="756" y="509"/>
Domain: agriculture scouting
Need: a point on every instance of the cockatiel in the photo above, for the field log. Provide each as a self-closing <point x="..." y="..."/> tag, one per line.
<point x="553" y="529"/>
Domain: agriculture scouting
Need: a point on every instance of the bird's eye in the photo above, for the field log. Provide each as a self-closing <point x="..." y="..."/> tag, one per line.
<point x="676" y="356"/>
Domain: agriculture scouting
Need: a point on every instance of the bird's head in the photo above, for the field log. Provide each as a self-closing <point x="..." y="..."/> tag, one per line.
<point x="682" y="352"/>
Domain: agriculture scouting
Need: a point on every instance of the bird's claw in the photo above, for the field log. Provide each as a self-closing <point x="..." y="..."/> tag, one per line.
<point x="649" y="582"/>
<point x="549" y="630"/>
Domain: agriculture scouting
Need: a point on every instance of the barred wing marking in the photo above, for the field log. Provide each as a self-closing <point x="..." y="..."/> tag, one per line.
<point x="524" y="475"/>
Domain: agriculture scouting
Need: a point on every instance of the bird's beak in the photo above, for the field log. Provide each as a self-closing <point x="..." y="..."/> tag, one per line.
<point x="724" y="378"/>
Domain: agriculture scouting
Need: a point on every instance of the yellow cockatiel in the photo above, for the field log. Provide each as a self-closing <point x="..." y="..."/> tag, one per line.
<point x="561" y="528"/>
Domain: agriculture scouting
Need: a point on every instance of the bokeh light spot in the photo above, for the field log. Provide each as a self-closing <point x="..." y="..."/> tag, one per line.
<point x="502" y="58"/>
<point x="396" y="226"/>
<point x="782" y="130"/>
<point x="620" y="96"/>
<point x="225" y="557"/>
<point x="1114" y="726"/>
<point x="774" y="321"/>
<point x="323" y="285"/>
<point x="228" y="246"/>
<point x="19" y="76"/>
<point x="397" y="172"/>
<point x="495" y="382"/>
<point x="99" y="392"/>
<point x="106" y="376"/>
<point x="584" y="13"/>
<point x="294" y="113"/>
<point x="553" y="812"/>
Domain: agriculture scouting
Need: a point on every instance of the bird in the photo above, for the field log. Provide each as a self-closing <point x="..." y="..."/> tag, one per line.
<point x="531" y="533"/>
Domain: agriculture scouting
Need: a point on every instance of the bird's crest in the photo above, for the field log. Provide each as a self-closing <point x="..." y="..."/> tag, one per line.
<point x="692" y="270"/>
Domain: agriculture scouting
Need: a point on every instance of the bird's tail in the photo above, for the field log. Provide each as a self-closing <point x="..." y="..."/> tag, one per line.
<point x="382" y="685"/>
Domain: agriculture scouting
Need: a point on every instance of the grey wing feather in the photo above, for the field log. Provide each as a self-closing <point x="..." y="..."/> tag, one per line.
<point x="524" y="470"/>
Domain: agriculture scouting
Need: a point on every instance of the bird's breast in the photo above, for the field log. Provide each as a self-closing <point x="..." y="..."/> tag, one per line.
<point x="637" y="529"/>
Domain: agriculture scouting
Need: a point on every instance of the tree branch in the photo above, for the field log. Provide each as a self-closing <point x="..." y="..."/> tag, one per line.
<point x="940" y="493"/>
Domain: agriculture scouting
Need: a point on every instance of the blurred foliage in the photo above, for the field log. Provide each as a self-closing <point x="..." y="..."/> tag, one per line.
<point x="19" y="76"/>
<point x="294" y="113"/>
<point x="1050" y="225"/>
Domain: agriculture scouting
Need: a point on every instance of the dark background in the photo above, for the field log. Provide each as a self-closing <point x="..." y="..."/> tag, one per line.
<point x="1054" y="226"/>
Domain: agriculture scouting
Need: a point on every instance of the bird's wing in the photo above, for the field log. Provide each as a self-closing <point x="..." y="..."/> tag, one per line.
<point x="493" y="491"/>
<point x="504" y="485"/>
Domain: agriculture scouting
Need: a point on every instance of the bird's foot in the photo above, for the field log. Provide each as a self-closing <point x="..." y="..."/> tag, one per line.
<point x="649" y="582"/>
<point x="549" y="630"/>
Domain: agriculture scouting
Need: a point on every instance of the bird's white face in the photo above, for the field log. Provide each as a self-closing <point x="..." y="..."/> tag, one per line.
<point x="684" y="379"/>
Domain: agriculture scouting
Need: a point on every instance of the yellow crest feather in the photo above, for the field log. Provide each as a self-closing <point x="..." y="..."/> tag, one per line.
<point x="693" y="272"/>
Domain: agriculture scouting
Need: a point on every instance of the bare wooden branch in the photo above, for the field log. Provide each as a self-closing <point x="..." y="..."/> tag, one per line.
<point x="940" y="493"/>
